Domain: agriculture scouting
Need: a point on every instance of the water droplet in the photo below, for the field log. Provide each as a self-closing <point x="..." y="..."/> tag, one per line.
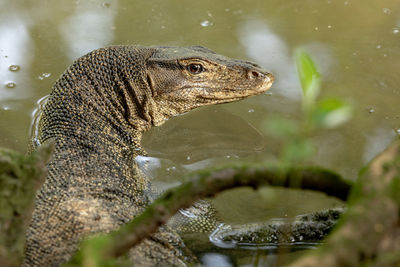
<point x="371" y="110"/>
<point x="173" y="168"/>
<point x="316" y="28"/>
<point x="378" y="46"/>
<point x="11" y="84"/>
<point x="301" y="237"/>
<point x="396" y="30"/>
<point x="206" y="23"/>
<point x="251" y="110"/>
<point x="14" y="68"/>
<point x="386" y="10"/>
<point x="44" y="76"/>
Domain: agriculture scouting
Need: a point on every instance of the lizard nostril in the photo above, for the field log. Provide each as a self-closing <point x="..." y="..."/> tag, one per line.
<point x="252" y="74"/>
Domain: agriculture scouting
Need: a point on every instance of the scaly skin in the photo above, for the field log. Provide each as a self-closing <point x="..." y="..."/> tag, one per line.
<point x="96" y="115"/>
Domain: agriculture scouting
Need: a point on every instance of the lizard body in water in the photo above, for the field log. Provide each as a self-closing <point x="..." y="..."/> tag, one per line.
<point x="96" y="114"/>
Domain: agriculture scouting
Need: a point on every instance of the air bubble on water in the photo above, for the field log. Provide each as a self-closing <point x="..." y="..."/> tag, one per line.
<point x="386" y="10"/>
<point x="162" y="27"/>
<point x="44" y="76"/>
<point x="251" y="110"/>
<point x="188" y="158"/>
<point x="397" y="131"/>
<point x="371" y="110"/>
<point x="378" y="46"/>
<point x="228" y="156"/>
<point x="11" y="84"/>
<point x="206" y="23"/>
<point x="14" y="68"/>
<point x="329" y="26"/>
<point x="173" y="168"/>
<point x="316" y="28"/>
<point x="395" y="30"/>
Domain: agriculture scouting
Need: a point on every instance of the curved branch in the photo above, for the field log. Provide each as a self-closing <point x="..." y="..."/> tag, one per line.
<point x="207" y="184"/>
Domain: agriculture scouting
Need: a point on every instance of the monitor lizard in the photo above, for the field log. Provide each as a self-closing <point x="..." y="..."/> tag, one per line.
<point x="96" y="115"/>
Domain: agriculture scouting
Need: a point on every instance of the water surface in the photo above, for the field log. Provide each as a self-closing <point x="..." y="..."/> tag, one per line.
<point x="355" y="44"/>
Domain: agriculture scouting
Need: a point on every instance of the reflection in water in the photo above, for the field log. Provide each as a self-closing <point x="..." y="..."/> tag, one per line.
<point x="89" y="28"/>
<point x="377" y="141"/>
<point x="192" y="140"/>
<point x="14" y="39"/>
<point x="268" y="49"/>
<point x="215" y="259"/>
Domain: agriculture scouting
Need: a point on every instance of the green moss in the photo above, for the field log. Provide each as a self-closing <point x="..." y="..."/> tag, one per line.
<point x="20" y="176"/>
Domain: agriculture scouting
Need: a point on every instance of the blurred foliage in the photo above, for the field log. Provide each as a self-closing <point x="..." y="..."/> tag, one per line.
<point x="317" y="114"/>
<point x="20" y="176"/>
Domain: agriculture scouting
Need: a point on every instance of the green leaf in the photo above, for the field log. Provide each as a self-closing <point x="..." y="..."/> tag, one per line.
<point x="310" y="78"/>
<point x="331" y="112"/>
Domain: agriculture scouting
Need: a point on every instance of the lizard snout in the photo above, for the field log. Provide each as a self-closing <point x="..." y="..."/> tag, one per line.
<point x="257" y="74"/>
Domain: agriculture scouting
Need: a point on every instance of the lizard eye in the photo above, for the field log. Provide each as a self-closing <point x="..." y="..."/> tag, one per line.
<point x="195" y="68"/>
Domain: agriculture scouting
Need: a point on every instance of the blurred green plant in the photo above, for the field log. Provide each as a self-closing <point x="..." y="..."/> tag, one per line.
<point x="316" y="114"/>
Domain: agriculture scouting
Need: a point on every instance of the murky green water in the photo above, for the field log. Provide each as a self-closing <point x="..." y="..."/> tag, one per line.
<point x="355" y="43"/>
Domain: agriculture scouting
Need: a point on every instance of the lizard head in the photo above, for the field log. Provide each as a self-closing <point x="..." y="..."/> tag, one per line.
<point x="183" y="78"/>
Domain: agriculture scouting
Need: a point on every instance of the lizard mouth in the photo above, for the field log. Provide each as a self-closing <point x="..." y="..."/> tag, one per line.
<point x="228" y="94"/>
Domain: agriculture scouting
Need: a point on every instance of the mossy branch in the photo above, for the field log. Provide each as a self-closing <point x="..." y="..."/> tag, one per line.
<point x="369" y="232"/>
<point x="208" y="183"/>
